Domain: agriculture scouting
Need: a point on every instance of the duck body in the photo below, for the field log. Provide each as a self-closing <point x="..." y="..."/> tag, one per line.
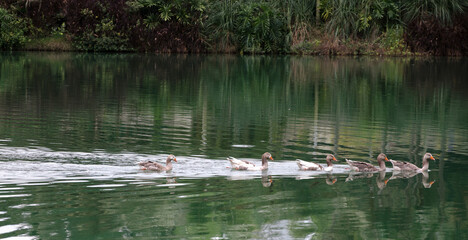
<point x="246" y="165"/>
<point x="154" y="166"/>
<point x="406" y="166"/>
<point x="310" y="166"/>
<point x="303" y="165"/>
<point x="367" y="167"/>
<point x="361" y="166"/>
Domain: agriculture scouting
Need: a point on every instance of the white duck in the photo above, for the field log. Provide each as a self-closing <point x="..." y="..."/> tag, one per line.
<point x="406" y="166"/>
<point x="310" y="166"/>
<point x="245" y="165"/>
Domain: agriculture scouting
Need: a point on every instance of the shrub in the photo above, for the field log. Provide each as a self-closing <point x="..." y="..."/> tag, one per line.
<point x="102" y="37"/>
<point x="168" y="25"/>
<point x="251" y="26"/>
<point x="98" y="25"/>
<point x="12" y="30"/>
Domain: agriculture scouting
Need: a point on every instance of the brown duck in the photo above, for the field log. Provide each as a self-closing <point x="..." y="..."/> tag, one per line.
<point x="406" y="166"/>
<point x="154" y="166"/>
<point x="367" y="167"/>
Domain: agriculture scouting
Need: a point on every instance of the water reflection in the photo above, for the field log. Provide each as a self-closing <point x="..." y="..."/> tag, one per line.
<point x="380" y="180"/>
<point x="358" y="175"/>
<point x="410" y="174"/>
<point x="210" y="105"/>
<point x="267" y="181"/>
<point x="72" y="127"/>
<point x="331" y="179"/>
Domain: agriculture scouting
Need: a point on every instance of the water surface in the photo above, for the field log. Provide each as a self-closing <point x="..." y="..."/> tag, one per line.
<point x="73" y="126"/>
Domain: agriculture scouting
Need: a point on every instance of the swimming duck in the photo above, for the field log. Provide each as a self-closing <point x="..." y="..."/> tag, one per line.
<point x="149" y="165"/>
<point x="406" y="166"/>
<point x="367" y="167"/>
<point x="245" y="165"/>
<point x="303" y="165"/>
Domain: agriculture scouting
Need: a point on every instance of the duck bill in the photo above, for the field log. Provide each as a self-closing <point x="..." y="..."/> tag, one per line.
<point x="175" y="160"/>
<point x="386" y="159"/>
<point x="334" y="159"/>
<point x="271" y="158"/>
<point x="432" y="158"/>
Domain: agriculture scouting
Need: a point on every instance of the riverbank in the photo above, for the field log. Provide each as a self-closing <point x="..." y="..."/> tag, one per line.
<point x="236" y="26"/>
<point x="321" y="45"/>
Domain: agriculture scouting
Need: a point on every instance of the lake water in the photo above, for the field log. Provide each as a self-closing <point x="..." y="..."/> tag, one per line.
<point x="73" y="126"/>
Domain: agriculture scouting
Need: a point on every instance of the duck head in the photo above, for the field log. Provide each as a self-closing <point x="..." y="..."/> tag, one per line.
<point x="330" y="158"/>
<point x="171" y="158"/>
<point x="265" y="157"/>
<point x="428" y="156"/>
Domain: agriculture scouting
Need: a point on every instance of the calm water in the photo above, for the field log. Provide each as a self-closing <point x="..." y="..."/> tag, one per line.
<point x="73" y="126"/>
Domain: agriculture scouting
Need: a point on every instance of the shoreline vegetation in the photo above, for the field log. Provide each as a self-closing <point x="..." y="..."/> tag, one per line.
<point x="309" y="27"/>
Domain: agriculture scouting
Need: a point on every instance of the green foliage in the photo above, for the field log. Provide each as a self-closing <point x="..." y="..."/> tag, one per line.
<point x="58" y="31"/>
<point x="220" y="24"/>
<point x="12" y="30"/>
<point x="103" y="37"/>
<point x="359" y="18"/>
<point x="157" y="11"/>
<point x="392" y="41"/>
<point x="442" y="10"/>
<point x="300" y="14"/>
<point x="252" y="26"/>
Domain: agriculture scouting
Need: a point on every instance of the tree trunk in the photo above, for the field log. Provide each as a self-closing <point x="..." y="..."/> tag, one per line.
<point x="317" y="12"/>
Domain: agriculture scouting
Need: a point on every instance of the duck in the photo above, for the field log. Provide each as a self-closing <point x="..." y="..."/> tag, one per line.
<point x="310" y="166"/>
<point x="245" y="165"/>
<point x="367" y="167"/>
<point x="406" y="166"/>
<point x="154" y="166"/>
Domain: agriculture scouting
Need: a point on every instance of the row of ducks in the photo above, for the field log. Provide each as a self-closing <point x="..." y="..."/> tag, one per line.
<point x="307" y="166"/>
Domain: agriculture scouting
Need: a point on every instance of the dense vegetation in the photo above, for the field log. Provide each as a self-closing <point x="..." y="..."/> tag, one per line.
<point x="438" y="27"/>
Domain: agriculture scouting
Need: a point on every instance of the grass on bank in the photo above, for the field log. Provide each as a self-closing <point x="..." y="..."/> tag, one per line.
<point x="52" y="43"/>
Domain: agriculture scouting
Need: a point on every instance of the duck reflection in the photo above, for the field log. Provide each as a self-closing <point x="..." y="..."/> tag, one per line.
<point x="425" y="180"/>
<point x="330" y="179"/>
<point x="410" y="174"/>
<point x="266" y="180"/>
<point x="400" y="175"/>
<point x="380" y="180"/>
<point x="358" y="175"/>
<point x="171" y="180"/>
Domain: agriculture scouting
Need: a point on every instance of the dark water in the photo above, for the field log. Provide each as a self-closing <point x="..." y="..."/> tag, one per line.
<point x="73" y="126"/>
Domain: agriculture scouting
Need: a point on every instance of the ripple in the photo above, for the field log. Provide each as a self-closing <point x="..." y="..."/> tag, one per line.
<point x="15" y="195"/>
<point x="107" y="185"/>
<point x="13" y="228"/>
<point x="11" y="188"/>
<point x="20" y="238"/>
<point x="72" y="181"/>
<point x="242" y="146"/>
<point x="26" y="205"/>
<point x="172" y="184"/>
